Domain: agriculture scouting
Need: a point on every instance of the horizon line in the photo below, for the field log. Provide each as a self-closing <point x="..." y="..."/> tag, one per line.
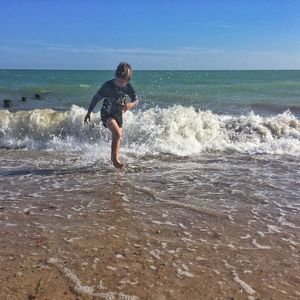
<point x="136" y="70"/>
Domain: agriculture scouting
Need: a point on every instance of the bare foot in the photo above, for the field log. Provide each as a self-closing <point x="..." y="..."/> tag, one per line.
<point x="117" y="164"/>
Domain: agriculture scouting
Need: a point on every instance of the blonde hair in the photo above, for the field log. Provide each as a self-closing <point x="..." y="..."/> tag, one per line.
<point x="124" y="71"/>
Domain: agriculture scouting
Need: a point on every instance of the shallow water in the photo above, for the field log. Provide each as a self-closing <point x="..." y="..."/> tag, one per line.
<point x="224" y="214"/>
<point x="219" y="183"/>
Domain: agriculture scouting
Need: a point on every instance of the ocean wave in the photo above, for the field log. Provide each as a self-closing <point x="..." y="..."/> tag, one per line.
<point x="275" y="107"/>
<point x="176" y="130"/>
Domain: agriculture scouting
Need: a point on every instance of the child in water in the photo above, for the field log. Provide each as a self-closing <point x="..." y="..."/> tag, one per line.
<point x="114" y="105"/>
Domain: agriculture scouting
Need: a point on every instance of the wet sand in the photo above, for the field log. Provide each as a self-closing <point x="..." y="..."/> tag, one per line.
<point x="58" y="255"/>
<point x="111" y="239"/>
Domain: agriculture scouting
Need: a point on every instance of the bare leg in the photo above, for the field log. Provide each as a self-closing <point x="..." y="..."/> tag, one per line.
<point x="116" y="132"/>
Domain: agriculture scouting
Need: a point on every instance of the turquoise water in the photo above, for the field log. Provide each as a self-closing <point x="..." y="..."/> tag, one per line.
<point x="225" y="92"/>
<point x="181" y="112"/>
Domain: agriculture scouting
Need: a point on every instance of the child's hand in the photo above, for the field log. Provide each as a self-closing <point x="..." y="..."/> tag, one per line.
<point x="124" y="108"/>
<point x="87" y="118"/>
<point x="136" y="103"/>
<point x="130" y="105"/>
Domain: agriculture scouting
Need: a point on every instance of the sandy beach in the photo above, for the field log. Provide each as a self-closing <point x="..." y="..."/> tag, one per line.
<point x="113" y="238"/>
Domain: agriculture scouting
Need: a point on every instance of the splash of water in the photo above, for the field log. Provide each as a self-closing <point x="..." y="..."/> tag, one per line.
<point x="176" y="130"/>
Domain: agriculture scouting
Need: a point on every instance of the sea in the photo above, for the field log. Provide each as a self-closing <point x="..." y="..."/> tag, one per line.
<point x="201" y="146"/>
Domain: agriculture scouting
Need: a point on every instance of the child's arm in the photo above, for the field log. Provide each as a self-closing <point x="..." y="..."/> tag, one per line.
<point x="92" y="105"/>
<point x="134" y="99"/>
<point x="131" y="105"/>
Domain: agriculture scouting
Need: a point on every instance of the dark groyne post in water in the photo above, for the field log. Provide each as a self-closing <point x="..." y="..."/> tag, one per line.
<point x="23" y="98"/>
<point x="6" y="103"/>
<point x="37" y="96"/>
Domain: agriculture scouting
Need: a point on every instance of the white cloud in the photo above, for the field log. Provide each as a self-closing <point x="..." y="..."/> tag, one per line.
<point x="221" y="25"/>
<point x="104" y="50"/>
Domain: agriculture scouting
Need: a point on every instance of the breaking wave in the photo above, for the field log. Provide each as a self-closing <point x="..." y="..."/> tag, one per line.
<point x="176" y="130"/>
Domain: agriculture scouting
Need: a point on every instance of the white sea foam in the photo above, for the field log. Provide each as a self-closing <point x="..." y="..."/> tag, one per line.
<point x="246" y="287"/>
<point x="84" y="289"/>
<point x="182" y="273"/>
<point x="176" y="130"/>
<point x="273" y="229"/>
<point x="259" y="246"/>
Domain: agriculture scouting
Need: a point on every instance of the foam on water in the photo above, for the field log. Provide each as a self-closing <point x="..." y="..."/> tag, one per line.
<point x="176" y="130"/>
<point x="84" y="289"/>
<point x="180" y="218"/>
<point x="246" y="287"/>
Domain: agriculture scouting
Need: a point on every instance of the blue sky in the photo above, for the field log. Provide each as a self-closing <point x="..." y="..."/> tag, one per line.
<point x="152" y="34"/>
